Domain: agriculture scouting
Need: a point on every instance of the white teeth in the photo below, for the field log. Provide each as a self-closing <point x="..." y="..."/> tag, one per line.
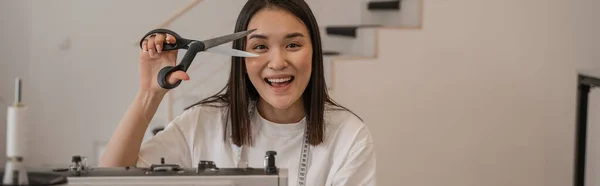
<point x="279" y="80"/>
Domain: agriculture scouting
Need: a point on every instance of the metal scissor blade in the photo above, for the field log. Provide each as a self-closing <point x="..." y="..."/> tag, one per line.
<point x="225" y="39"/>
<point x="231" y="52"/>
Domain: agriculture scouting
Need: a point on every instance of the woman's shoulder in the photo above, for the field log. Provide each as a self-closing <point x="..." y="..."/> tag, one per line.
<point x="337" y="115"/>
<point x="343" y="123"/>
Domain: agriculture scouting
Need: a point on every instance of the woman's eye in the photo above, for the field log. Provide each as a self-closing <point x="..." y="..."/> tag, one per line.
<point x="293" y="45"/>
<point x="260" y="47"/>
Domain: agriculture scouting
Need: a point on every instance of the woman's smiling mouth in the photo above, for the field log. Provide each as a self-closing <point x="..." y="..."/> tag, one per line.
<point x="279" y="83"/>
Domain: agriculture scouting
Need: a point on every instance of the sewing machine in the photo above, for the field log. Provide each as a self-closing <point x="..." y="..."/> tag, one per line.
<point x="206" y="173"/>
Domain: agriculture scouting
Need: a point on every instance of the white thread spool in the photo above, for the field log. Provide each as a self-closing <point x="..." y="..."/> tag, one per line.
<point x="16" y="129"/>
<point x="16" y="132"/>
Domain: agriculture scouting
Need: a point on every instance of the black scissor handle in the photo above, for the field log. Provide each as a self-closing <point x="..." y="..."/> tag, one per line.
<point x="163" y="74"/>
<point x="192" y="50"/>
<point x="180" y="43"/>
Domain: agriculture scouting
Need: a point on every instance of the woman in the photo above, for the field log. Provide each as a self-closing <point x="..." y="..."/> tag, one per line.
<point x="277" y="101"/>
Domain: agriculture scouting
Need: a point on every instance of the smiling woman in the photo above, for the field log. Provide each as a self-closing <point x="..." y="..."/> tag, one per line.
<point x="277" y="101"/>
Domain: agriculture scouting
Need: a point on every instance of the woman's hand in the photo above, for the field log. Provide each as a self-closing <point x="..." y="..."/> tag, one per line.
<point x="153" y="59"/>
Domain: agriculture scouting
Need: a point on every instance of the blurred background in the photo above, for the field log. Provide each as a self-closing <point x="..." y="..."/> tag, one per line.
<point x="455" y="92"/>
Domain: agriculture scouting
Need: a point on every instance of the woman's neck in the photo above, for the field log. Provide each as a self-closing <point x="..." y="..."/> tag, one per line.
<point x="293" y="114"/>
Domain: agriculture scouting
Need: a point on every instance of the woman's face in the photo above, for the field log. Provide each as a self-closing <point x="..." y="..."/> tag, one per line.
<point x="282" y="71"/>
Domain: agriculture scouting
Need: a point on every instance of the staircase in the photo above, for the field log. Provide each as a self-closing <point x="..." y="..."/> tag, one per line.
<point x="359" y="41"/>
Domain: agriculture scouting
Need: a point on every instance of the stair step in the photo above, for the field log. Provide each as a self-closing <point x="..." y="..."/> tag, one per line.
<point x="348" y="31"/>
<point x="331" y="53"/>
<point x="384" y="5"/>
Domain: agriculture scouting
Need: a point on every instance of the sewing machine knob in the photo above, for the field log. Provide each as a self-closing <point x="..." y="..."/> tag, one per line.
<point x="76" y="159"/>
<point x="270" y="162"/>
<point x="206" y="165"/>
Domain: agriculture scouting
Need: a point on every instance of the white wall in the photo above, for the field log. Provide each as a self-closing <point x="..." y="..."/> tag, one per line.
<point x="14" y="58"/>
<point x="83" y="91"/>
<point x="584" y="27"/>
<point x="484" y="94"/>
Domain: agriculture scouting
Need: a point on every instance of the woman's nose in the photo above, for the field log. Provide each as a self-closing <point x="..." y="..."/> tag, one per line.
<point x="278" y="60"/>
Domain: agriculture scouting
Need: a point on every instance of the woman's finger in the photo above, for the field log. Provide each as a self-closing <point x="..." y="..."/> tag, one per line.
<point x="159" y="39"/>
<point x="144" y="47"/>
<point x="151" y="46"/>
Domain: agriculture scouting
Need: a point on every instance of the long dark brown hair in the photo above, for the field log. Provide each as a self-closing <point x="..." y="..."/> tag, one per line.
<point x="239" y="91"/>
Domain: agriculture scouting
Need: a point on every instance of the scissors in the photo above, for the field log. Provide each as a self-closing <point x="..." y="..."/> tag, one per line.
<point x="193" y="47"/>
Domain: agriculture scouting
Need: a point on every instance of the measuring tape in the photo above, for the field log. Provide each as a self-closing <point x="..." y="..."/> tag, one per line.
<point x="302" y="168"/>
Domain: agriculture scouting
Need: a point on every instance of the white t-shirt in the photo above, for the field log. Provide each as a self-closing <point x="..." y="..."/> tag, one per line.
<point x="346" y="157"/>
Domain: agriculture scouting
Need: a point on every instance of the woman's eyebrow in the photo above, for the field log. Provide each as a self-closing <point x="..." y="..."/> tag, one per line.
<point x="295" y="34"/>
<point x="258" y="36"/>
<point x="288" y="36"/>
